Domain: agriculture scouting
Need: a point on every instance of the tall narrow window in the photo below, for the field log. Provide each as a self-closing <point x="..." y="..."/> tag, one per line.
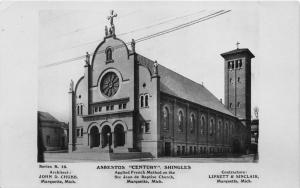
<point x="146" y="100"/>
<point x="240" y="63"/>
<point x="180" y="121"/>
<point x="147" y="127"/>
<point x="80" y="109"/>
<point x="166" y="118"/>
<point x="232" y="65"/>
<point x="211" y="125"/>
<point x="77" y="109"/>
<point x="228" y="64"/>
<point x="202" y="125"/>
<point x="142" y="101"/>
<point x="219" y="128"/>
<point x="108" y="54"/>
<point x="225" y="132"/>
<point x="48" y="140"/>
<point x="236" y="64"/>
<point x="192" y="128"/>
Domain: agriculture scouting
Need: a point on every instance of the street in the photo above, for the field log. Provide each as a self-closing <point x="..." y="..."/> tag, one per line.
<point x="96" y="157"/>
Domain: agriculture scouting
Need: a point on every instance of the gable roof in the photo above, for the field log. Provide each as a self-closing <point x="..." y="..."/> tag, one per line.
<point x="45" y="116"/>
<point x="177" y="85"/>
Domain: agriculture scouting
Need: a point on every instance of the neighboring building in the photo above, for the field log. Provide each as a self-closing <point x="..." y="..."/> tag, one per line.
<point x="54" y="133"/>
<point x="134" y="104"/>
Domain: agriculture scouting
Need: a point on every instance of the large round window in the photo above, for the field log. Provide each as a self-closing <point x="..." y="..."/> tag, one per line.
<point x="109" y="84"/>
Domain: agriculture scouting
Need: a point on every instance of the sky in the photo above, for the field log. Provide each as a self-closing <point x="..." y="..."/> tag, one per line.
<point x="193" y="52"/>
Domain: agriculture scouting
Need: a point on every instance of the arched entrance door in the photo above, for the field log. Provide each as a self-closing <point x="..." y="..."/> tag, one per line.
<point x="119" y="135"/>
<point x="105" y="138"/>
<point x="94" y="137"/>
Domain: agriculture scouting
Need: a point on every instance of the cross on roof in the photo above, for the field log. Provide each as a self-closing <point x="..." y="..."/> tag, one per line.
<point x="111" y="17"/>
<point x="237" y="45"/>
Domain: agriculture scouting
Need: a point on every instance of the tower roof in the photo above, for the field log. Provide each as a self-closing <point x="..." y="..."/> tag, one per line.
<point x="245" y="51"/>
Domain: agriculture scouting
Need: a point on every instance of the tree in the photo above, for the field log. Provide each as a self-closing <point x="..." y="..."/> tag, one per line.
<point x="256" y="111"/>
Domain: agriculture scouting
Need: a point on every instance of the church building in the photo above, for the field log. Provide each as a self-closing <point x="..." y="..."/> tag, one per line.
<point x="126" y="102"/>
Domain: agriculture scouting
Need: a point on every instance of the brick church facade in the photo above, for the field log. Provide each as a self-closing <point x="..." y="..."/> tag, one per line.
<point x="133" y="104"/>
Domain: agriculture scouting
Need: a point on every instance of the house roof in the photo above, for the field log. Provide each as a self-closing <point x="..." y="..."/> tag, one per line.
<point x="50" y="120"/>
<point x="177" y="85"/>
<point x="45" y="116"/>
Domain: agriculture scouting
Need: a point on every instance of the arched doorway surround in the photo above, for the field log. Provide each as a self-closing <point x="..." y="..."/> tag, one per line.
<point x="119" y="135"/>
<point x="106" y="136"/>
<point x="94" y="137"/>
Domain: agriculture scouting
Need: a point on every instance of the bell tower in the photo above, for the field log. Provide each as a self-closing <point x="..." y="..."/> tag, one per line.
<point x="237" y="69"/>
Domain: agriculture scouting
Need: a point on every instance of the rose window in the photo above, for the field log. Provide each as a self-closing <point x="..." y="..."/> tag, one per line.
<point x="109" y="84"/>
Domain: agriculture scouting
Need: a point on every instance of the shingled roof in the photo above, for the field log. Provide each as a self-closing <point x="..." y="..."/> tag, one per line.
<point x="45" y="116"/>
<point x="177" y="85"/>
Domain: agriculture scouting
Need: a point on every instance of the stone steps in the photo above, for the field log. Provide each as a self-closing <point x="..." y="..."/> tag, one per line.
<point x="95" y="156"/>
<point x="101" y="150"/>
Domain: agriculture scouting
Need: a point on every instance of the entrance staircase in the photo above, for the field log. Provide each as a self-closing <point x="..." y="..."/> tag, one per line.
<point x="103" y="154"/>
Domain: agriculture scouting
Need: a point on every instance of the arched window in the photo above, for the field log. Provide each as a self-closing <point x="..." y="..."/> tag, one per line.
<point x="81" y="109"/>
<point x="220" y="128"/>
<point x="180" y="121"/>
<point x="240" y="63"/>
<point x="192" y="128"/>
<point x="211" y="125"/>
<point x="202" y="125"/>
<point x="232" y="65"/>
<point x="78" y="109"/>
<point x="166" y="118"/>
<point x="225" y="132"/>
<point x="108" y="54"/>
<point x="229" y="131"/>
<point x="146" y="100"/>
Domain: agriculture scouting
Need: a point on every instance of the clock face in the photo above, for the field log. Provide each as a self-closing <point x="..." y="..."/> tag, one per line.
<point x="109" y="84"/>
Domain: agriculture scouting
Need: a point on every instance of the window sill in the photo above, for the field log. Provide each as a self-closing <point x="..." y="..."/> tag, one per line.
<point x="109" y="61"/>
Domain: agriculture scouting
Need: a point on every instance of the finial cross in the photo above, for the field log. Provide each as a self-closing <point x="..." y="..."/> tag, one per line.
<point x="111" y="17"/>
<point x="237" y="45"/>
